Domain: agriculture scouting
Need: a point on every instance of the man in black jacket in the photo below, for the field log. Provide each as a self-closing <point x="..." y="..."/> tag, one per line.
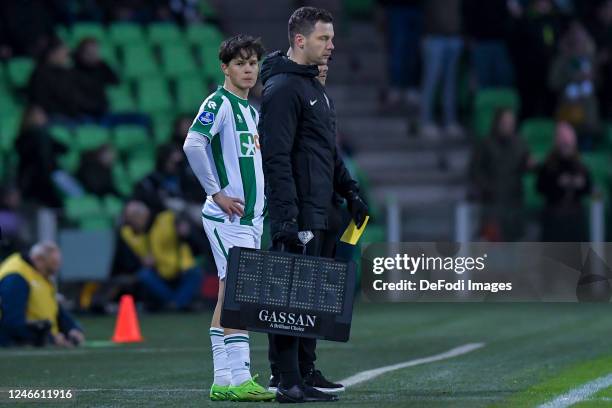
<point x="302" y="171"/>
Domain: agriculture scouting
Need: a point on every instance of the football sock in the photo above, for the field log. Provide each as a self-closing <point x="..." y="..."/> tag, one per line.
<point x="238" y="353"/>
<point x="221" y="366"/>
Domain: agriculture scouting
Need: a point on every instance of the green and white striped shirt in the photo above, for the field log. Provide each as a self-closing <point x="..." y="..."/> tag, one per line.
<point x="230" y="125"/>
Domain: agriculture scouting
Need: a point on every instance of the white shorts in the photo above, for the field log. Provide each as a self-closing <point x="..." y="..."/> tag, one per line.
<point x="223" y="236"/>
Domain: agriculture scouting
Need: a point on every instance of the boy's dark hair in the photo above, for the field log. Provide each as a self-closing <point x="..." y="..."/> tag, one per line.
<point x="303" y="21"/>
<point x="240" y="46"/>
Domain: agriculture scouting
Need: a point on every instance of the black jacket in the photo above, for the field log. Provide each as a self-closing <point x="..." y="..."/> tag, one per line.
<point x="297" y="130"/>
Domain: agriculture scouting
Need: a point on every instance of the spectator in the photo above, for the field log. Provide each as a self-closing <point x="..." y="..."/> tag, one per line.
<point x="497" y="171"/>
<point x="486" y="27"/>
<point x="180" y="127"/>
<point x="441" y="51"/>
<point x="533" y="46"/>
<point x="38" y="159"/>
<point x="154" y="250"/>
<point x="97" y="75"/>
<point x="564" y="182"/>
<point x="572" y="76"/>
<point x="12" y="237"/>
<point x="601" y="28"/>
<point x="58" y="88"/>
<point x="96" y="171"/>
<point x="168" y="185"/>
<point x="31" y="314"/>
<point x="404" y="26"/>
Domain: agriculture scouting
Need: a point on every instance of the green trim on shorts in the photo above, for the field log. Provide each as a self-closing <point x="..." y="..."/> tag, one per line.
<point x="210" y="217"/>
<point x="220" y="243"/>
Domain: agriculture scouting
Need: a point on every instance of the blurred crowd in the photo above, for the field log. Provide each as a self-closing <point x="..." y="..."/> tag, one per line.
<point x="556" y="53"/>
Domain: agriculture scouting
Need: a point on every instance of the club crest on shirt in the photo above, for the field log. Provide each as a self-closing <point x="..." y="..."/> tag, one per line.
<point x="206" y="118"/>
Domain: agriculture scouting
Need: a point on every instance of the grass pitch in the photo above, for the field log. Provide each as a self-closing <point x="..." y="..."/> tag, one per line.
<point x="532" y="354"/>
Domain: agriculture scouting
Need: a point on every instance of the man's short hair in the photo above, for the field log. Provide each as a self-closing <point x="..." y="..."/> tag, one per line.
<point x="43" y="249"/>
<point x="304" y="19"/>
<point x="243" y="46"/>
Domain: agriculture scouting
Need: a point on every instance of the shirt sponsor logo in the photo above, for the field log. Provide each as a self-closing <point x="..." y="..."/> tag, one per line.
<point x="206" y="118"/>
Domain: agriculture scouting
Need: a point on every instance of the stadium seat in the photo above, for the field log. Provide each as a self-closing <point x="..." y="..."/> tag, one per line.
<point x="126" y="33"/>
<point x="139" y="168"/>
<point x="120" y="98"/>
<point x="130" y="137"/>
<point x="162" y="128"/>
<point x="164" y="33"/>
<point x="77" y="208"/>
<point x="9" y="130"/>
<point x="109" y="55"/>
<point x="70" y="161"/>
<point x="153" y="95"/>
<point x="100" y="222"/>
<point x="177" y="61"/>
<point x="19" y="70"/>
<point x="121" y="180"/>
<point x="112" y="206"/>
<point x="203" y="34"/>
<point x="90" y="137"/>
<point x="487" y="102"/>
<point x="62" y="134"/>
<point x="190" y="93"/>
<point x="359" y="8"/>
<point x="539" y="134"/>
<point x="138" y="61"/>
<point x="86" y="29"/>
<point x="598" y="164"/>
<point x="9" y="105"/>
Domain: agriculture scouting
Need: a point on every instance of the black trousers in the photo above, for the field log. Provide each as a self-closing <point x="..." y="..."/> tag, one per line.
<point x="291" y="357"/>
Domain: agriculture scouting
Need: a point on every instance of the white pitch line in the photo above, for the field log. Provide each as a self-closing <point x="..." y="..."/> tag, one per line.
<point x="369" y="374"/>
<point x="581" y="393"/>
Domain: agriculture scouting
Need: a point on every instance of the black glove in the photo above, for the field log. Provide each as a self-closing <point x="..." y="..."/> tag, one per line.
<point x="40" y="329"/>
<point x="284" y="232"/>
<point x="357" y="208"/>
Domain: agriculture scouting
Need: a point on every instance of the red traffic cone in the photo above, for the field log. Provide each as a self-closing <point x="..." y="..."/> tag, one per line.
<point x="127" y="328"/>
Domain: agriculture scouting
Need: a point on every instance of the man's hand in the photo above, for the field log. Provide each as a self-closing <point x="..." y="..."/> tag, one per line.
<point x="76" y="337"/>
<point x="357" y="208"/>
<point x="230" y="205"/>
<point x="284" y="232"/>
<point x="61" y="341"/>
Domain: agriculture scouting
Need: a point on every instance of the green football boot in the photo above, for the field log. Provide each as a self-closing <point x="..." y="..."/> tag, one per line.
<point x="250" y="391"/>
<point x="219" y="392"/>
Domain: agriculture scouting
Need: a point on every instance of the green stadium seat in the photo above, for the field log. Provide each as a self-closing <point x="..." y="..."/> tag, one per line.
<point x="121" y="181"/>
<point x="113" y="206"/>
<point x="63" y="33"/>
<point x="77" y="208"/>
<point x="539" y="135"/>
<point x="204" y="35"/>
<point x="19" y="70"/>
<point x="101" y="222"/>
<point x="162" y="128"/>
<point x="126" y="33"/>
<point x="139" y="168"/>
<point x="164" y="33"/>
<point x="598" y="164"/>
<point x="487" y="102"/>
<point x="90" y="137"/>
<point x="120" y="98"/>
<point x="62" y="134"/>
<point x="359" y="8"/>
<point x="130" y="137"/>
<point x="87" y="30"/>
<point x="109" y="55"/>
<point x="139" y="62"/>
<point x="9" y="105"/>
<point x="190" y="93"/>
<point x="9" y="130"/>
<point x="154" y="95"/>
<point x="177" y="61"/>
<point x="70" y="161"/>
